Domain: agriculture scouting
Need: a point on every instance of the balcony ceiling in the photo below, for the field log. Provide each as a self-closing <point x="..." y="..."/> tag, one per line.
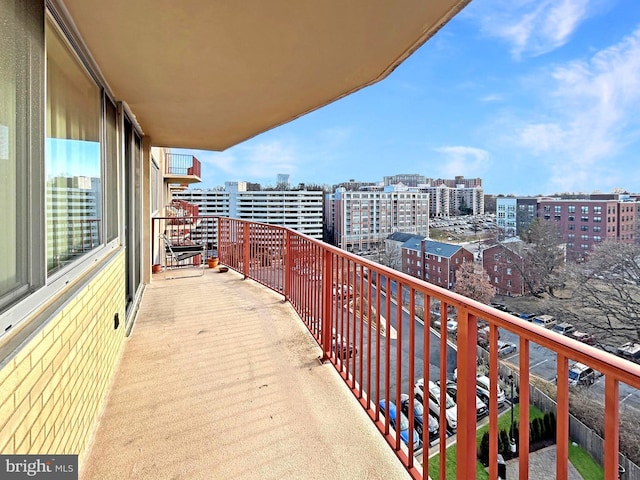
<point x="209" y="74"/>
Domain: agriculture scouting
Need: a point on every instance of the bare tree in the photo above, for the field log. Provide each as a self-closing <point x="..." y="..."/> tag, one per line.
<point x="390" y="255"/>
<point x="544" y="256"/>
<point x="473" y="284"/>
<point x="605" y="291"/>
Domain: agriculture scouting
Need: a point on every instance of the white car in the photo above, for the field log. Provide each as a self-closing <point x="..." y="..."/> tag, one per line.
<point x="452" y="327"/>
<point x="451" y="409"/>
<point x="505" y="348"/>
<point x="482" y="383"/>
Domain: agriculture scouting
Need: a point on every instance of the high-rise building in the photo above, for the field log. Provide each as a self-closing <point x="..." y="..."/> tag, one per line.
<point x="360" y="221"/>
<point x="297" y="209"/>
<point x="448" y="201"/>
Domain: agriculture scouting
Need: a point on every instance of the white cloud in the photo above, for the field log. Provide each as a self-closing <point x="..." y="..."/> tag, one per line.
<point x="492" y="97"/>
<point x="258" y="161"/>
<point x="531" y="27"/>
<point x="461" y="160"/>
<point x="594" y="104"/>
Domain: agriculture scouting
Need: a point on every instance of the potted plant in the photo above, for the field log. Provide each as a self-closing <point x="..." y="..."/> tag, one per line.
<point x="212" y="262"/>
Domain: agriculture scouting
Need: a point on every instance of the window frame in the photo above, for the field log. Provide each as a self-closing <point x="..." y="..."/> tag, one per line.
<point x="44" y="287"/>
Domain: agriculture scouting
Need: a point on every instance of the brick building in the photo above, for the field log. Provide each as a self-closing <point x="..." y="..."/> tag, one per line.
<point x="434" y="262"/>
<point x="503" y="264"/>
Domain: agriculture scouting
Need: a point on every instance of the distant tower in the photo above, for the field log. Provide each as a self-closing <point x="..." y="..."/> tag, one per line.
<point x="283" y="181"/>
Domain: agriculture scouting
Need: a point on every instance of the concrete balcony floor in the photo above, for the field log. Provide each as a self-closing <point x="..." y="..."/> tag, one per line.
<point x="220" y="379"/>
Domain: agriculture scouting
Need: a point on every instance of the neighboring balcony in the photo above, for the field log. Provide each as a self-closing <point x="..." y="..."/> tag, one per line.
<point x="181" y="169"/>
<point x="180" y="371"/>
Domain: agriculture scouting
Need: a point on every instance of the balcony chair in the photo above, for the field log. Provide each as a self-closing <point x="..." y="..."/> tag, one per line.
<point x="176" y="256"/>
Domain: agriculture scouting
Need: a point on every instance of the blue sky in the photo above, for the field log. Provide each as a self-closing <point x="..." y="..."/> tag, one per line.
<point x="533" y="96"/>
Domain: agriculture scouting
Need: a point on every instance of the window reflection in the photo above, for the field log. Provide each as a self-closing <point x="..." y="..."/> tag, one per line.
<point x="72" y="152"/>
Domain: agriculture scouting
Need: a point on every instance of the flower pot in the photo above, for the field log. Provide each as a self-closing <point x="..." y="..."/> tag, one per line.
<point x="212" y="262"/>
<point x="156" y="268"/>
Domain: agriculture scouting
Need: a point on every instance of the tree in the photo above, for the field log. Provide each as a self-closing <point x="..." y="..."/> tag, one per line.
<point x="543" y="258"/>
<point x="473" y="284"/>
<point x="604" y="292"/>
<point x="390" y="255"/>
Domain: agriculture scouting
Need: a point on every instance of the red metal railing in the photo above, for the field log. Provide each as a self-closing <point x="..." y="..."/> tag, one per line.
<point x="345" y="301"/>
<point x="182" y="164"/>
<point x="182" y="210"/>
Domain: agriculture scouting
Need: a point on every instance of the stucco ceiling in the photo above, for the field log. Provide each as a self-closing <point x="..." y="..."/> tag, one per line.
<point x="209" y="74"/>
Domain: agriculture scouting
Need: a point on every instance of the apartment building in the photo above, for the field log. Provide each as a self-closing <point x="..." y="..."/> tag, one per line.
<point x="503" y="264"/>
<point x="458" y="182"/>
<point x="363" y="220"/>
<point x="300" y="210"/>
<point x="582" y="222"/>
<point x="434" y="262"/>
<point x="446" y="201"/>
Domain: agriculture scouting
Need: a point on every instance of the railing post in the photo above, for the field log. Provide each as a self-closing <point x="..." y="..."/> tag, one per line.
<point x="466" y="435"/>
<point x="327" y="298"/>
<point x="246" y="246"/>
<point x="524" y="410"/>
<point x="286" y="264"/>
<point x="611" y="425"/>
<point x="562" y="425"/>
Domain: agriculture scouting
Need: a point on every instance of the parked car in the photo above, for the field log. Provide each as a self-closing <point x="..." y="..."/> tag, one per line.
<point x="483" y="335"/>
<point x="418" y="416"/>
<point x="581" y="375"/>
<point x="400" y="423"/>
<point x="452" y="327"/>
<point x="527" y="316"/>
<point x="505" y="348"/>
<point x="483" y="389"/>
<point x="583" y="337"/>
<point x="451" y="409"/>
<point x="630" y="351"/>
<point x="341" y="348"/>
<point x="563" y="328"/>
<point x="481" y="407"/>
<point x="499" y="306"/>
<point x="546" y="321"/>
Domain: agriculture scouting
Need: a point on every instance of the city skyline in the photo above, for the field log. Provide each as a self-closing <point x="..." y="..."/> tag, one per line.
<point x="533" y="97"/>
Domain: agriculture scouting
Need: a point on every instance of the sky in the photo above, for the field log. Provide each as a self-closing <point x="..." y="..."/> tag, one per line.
<point x="532" y="96"/>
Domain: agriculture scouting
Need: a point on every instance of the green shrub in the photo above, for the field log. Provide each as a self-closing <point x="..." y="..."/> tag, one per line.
<point x="538" y="426"/>
<point x="483" y="453"/>
<point x="506" y="444"/>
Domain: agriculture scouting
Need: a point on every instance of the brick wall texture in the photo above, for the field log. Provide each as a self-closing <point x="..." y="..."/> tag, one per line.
<point x="52" y="391"/>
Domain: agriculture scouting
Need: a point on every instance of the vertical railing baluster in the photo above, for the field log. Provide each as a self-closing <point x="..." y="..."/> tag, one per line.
<point x="444" y="312"/>
<point x="466" y="435"/>
<point x="523" y="385"/>
<point x="493" y="401"/>
<point x="611" y="427"/>
<point x="562" y="426"/>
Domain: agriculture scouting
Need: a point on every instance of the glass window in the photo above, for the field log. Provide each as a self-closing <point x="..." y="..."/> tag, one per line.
<point x="72" y="156"/>
<point x="111" y="161"/>
<point x="21" y="74"/>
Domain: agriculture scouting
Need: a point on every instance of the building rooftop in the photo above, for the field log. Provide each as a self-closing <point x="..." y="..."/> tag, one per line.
<point x="432" y="247"/>
<point x="220" y="379"/>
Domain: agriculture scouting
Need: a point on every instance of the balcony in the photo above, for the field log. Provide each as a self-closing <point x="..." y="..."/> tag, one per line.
<point x="222" y="379"/>
<point x="181" y="169"/>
